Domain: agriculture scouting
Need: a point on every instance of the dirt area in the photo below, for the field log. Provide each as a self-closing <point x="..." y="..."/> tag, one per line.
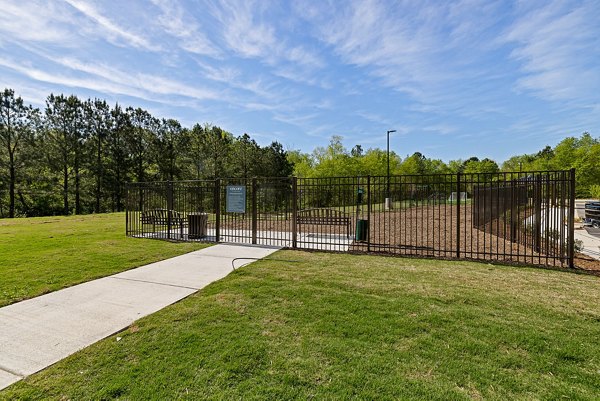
<point x="432" y="231"/>
<point x="587" y="263"/>
<point x="429" y="231"/>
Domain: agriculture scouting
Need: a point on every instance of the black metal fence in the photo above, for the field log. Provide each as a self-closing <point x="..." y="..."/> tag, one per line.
<point x="525" y="217"/>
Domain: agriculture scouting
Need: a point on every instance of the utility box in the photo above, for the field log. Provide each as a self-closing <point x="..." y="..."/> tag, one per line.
<point x="362" y="230"/>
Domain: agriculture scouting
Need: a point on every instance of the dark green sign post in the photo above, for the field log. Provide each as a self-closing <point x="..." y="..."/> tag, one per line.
<point x="359" y="196"/>
<point x="361" y="225"/>
<point x="235" y="199"/>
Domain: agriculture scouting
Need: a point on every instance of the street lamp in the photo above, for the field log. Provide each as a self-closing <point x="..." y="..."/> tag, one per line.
<point x="388" y="200"/>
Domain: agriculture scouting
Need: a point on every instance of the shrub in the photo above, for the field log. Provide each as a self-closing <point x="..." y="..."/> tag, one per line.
<point x="595" y="191"/>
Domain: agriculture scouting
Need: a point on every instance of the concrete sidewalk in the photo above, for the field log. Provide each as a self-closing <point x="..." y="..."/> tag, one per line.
<point x="41" y="331"/>
<point x="591" y="243"/>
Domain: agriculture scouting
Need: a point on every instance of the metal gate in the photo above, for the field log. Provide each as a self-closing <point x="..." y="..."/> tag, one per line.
<point x="525" y="217"/>
<point x="252" y="211"/>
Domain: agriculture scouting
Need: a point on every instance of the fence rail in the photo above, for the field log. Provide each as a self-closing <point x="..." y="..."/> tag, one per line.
<point x="524" y="218"/>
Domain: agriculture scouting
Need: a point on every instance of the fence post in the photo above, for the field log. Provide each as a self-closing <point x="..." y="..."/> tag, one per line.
<point x="571" y="220"/>
<point x="368" y="213"/>
<point x="218" y="210"/>
<point x="458" y="215"/>
<point x="254" y="211"/>
<point x="513" y="217"/>
<point x="294" y="212"/>
<point x="127" y="210"/>
<point x="169" y="207"/>
<point x="537" y="233"/>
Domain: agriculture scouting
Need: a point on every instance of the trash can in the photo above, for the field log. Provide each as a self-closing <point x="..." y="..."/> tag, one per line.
<point x="197" y="225"/>
<point x="362" y="227"/>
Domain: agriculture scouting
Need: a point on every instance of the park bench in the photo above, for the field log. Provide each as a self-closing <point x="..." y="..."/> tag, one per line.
<point x="323" y="217"/>
<point x="161" y="217"/>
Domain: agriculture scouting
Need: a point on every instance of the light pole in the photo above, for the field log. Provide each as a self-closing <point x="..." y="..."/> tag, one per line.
<point x="388" y="200"/>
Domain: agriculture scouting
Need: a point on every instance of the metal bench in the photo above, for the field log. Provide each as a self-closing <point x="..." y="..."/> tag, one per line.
<point x="164" y="217"/>
<point x="323" y="217"/>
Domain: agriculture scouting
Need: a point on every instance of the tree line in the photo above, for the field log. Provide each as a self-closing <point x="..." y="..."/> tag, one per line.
<point x="581" y="153"/>
<point x="75" y="156"/>
<point x="336" y="160"/>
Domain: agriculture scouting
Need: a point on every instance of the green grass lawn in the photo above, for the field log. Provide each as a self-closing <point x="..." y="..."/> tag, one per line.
<point x="39" y="255"/>
<point x="339" y="326"/>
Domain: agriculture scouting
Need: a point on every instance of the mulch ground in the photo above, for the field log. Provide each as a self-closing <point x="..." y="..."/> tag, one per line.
<point x="430" y="231"/>
<point x="587" y="263"/>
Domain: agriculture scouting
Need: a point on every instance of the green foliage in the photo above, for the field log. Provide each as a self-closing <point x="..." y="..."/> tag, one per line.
<point x="415" y="164"/>
<point x="274" y="162"/>
<point x="333" y="160"/>
<point x="595" y="191"/>
<point x="337" y="161"/>
<point x="481" y="166"/>
<point x="169" y="145"/>
<point x="78" y="155"/>
<point x="246" y="152"/>
<point x="17" y="122"/>
<point x="302" y="162"/>
<point x="582" y="154"/>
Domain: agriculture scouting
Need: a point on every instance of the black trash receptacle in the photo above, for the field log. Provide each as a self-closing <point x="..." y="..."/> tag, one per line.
<point x="362" y="227"/>
<point x="197" y="225"/>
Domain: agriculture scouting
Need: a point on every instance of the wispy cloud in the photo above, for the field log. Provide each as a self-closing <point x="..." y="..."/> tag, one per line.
<point x="176" y="21"/>
<point x="303" y="77"/>
<point x="34" y="21"/>
<point x="250" y="30"/>
<point x="557" y="46"/>
<point x="441" y="129"/>
<point x="366" y="34"/>
<point x="299" y="120"/>
<point x="243" y="30"/>
<point x="69" y="81"/>
<point x="301" y="56"/>
<point x="233" y="78"/>
<point x="472" y="72"/>
<point x="417" y="50"/>
<point x="116" y="33"/>
<point x="375" y="118"/>
<point x="107" y="79"/>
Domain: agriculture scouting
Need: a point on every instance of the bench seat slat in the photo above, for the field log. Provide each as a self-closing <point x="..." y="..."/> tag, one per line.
<point x="322" y="217"/>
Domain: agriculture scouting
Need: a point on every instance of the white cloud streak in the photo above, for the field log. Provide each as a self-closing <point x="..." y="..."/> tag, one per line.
<point x="34" y="21"/>
<point x="176" y="21"/>
<point x="247" y="33"/>
<point x="106" y="79"/>
<point x="117" y="34"/>
<point x="557" y="47"/>
<point x="417" y="50"/>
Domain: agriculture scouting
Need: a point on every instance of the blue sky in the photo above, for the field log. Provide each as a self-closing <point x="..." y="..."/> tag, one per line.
<point x="455" y="79"/>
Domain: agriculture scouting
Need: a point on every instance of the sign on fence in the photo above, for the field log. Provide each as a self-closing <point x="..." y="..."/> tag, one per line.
<point x="236" y="199"/>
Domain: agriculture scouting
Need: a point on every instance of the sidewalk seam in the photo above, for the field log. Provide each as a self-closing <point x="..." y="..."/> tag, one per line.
<point x="12" y="372"/>
<point x="154" y="282"/>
